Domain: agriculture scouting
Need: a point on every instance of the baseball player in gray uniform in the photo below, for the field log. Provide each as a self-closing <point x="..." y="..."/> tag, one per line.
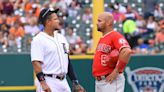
<point x="49" y="56"/>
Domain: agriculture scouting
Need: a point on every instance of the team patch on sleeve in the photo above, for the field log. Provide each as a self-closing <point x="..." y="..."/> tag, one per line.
<point x="122" y="41"/>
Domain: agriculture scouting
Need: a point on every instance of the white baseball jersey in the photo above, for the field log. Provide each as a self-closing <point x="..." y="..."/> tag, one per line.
<point x="52" y="52"/>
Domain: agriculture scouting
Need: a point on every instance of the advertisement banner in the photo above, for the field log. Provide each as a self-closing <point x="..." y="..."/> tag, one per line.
<point x="146" y="79"/>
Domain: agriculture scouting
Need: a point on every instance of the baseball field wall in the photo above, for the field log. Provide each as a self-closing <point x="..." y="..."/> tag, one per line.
<point x="143" y="73"/>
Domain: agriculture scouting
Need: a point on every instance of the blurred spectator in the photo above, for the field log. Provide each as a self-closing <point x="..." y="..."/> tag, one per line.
<point x="131" y="32"/>
<point x="73" y="40"/>
<point x="27" y="6"/>
<point x="18" y="18"/>
<point x="68" y="2"/>
<point x="122" y="9"/>
<point x="130" y="13"/>
<point x="19" y="5"/>
<point x="141" y="44"/>
<point x="160" y="36"/>
<point x="36" y="9"/>
<point x="5" y="29"/>
<point x="81" y="49"/>
<point x="1" y="18"/>
<point x="1" y="6"/>
<point x="158" y="11"/>
<point x="17" y="30"/>
<point x="161" y="23"/>
<point x="90" y="44"/>
<point x="118" y="16"/>
<point x="87" y="14"/>
<point x="73" y="9"/>
<point x="149" y="7"/>
<point x="152" y="50"/>
<point x="11" y="40"/>
<point x="10" y="19"/>
<point x="3" y="40"/>
<point x="28" y="17"/>
<point x="8" y="7"/>
<point x="142" y="48"/>
<point x="31" y="27"/>
<point x="151" y="25"/>
<point x="140" y="22"/>
<point x="62" y="5"/>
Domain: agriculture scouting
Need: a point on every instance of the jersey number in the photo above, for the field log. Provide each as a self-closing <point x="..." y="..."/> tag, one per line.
<point x="104" y="60"/>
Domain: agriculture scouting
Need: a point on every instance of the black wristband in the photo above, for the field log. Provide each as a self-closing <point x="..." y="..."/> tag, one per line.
<point x="40" y="76"/>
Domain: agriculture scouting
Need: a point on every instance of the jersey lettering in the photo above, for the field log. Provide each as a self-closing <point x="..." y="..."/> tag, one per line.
<point x="104" y="48"/>
<point x="64" y="48"/>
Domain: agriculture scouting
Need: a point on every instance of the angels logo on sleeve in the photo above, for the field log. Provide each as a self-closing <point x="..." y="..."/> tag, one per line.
<point x="122" y="41"/>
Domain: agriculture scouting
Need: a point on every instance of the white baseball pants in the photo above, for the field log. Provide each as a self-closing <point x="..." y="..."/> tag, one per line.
<point x="55" y="85"/>
<point x="116" y="86"/>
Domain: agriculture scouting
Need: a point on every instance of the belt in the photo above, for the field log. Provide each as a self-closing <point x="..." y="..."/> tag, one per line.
<point x="99" y="78"/>
<point x="60" y="77"/>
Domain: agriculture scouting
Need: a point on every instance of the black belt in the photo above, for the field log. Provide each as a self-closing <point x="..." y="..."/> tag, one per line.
<point x="60" y="77"/>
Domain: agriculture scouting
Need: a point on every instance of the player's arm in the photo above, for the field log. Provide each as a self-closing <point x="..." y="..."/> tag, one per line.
<point x="125" y="51"/>
<point x="37" y="55"/>
<point x="76" y="86"/>
<point x="71" y="72"/>
<point x="122" y="45"/>
<point x="124" y="57"/>
<point x="38" y="70"/>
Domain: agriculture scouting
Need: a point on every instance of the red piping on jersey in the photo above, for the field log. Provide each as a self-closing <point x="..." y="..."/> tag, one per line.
<point x="116" y="84"/>
<point x="123" y="47"/>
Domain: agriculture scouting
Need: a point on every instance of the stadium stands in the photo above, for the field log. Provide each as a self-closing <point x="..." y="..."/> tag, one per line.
<point x="23" y="11"/>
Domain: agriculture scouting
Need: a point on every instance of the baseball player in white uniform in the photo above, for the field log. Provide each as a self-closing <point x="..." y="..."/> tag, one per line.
<point x="49" y="56"/>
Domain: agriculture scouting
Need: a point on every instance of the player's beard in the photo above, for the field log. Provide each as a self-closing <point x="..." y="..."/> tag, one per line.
<point x="57" y="29"/>
<point x="98" y="29"/>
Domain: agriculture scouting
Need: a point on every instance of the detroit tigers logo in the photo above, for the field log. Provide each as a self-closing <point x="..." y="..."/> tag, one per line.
<point x="64" y="48"/>
<point x="147" y="79"/>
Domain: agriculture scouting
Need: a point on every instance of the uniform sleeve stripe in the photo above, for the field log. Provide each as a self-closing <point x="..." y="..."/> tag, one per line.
<point x="124" y="47"/>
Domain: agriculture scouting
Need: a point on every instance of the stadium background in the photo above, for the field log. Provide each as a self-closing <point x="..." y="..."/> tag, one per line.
<point x="18" y="24"/>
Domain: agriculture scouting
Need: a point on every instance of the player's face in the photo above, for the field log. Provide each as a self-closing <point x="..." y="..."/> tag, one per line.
<point x="100" y="24"/>
<point x="54" y="21"/>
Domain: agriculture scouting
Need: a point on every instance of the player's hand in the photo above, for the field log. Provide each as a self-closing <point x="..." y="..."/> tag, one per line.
<point x="76" y="87"/>
<point x="112" y="76"/>
<point x="45" y="87"/>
